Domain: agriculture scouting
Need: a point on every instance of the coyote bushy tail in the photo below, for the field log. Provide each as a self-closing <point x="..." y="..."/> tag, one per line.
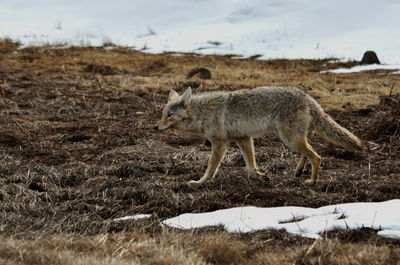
<point x="333" y="132"/>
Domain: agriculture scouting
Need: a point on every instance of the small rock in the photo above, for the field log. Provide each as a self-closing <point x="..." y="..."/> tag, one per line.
<point x="202" y="72"/>
<point x="102" y="69"/>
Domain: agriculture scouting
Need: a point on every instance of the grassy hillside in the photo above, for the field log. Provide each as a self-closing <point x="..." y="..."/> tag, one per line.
<point x="78" y="149"/>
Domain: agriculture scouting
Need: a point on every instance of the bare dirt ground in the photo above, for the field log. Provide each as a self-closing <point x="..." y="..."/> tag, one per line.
<point x="78" y="149"/>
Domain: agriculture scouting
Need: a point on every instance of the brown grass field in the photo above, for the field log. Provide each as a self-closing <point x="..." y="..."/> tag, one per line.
<point x="78" y="149"/>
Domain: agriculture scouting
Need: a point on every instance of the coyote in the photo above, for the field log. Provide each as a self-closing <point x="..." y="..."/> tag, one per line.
<point x="241" y="115"/>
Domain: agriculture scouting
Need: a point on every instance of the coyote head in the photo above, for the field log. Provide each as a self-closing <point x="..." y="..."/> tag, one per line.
<point x="175" y="111"/>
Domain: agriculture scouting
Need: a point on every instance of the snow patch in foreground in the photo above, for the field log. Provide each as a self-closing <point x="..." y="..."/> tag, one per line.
<point x="359" y="68"/>
<point x="303" y="221"/>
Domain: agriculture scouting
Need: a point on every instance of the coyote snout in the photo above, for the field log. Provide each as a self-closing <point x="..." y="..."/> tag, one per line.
<point x="161" y="125"/>
<point x="241" y="115"/>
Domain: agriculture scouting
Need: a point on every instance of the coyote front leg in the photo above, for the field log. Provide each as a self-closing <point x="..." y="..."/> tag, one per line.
<point x="217" y="153"/>
<point x="247" y="147"/>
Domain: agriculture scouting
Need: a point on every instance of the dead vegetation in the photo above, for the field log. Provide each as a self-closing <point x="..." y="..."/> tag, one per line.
<point x="169" y="247"/>
<point x="7" y="45"/>
<point x="78" y="149"/>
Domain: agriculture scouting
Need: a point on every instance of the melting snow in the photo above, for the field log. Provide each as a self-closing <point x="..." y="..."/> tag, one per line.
<point x="132" y="217"/>
<point x="360" y="68"/>
<point x="303" y="221"/>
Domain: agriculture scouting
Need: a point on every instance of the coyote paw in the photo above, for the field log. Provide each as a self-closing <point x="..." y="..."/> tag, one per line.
<point x="193" y="183"/>
<point x="256" y="173"/>
<point x="263" y="176"/>
<point x="260" y="174"/>
<point x="310" y="182"/>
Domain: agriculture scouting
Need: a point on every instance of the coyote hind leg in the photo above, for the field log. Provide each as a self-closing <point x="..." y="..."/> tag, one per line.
<point x="300" y="166"/>
<point x="308" y="153"/>
<point x="295" y="137"/>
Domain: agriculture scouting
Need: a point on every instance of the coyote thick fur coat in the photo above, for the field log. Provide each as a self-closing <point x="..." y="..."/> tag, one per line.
<point x="241" y="115"/>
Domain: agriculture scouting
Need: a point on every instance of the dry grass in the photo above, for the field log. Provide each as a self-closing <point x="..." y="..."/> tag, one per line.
<point x="169" y="247"/>
<point x="7" y="45"/>
<point x="78" y="150"/>
<point x="127" y="68"/>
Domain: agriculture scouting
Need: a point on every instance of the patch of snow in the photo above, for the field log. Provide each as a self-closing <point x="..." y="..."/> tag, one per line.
<point x="359" y="68"/>
<point x="390" y="233"/>
<point x="303" y="221"/>
<point x="132" y="217"/>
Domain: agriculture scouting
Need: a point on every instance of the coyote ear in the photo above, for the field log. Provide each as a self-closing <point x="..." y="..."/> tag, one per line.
<point x="187" y="96"/>
<point x="172" y="95"/>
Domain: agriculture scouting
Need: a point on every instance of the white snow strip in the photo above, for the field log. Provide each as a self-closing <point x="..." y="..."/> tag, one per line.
<point x="132" y="217"/>
<point x="359" y="68"/>
<point x="303" y="221"/>
<point x="390" y="233"/>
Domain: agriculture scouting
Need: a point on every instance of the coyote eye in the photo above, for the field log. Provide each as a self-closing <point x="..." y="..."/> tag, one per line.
<point x="169" y="115"/>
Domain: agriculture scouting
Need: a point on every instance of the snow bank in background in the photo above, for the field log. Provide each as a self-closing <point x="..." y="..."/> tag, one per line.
<point x="303" y="221"/>
<point x="390" y="233"/>
<point x="271" y="28"/>
<point x="360" y="68"/>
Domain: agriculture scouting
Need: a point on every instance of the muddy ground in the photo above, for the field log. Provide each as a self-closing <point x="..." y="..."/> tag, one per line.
<point x="78" y="146"/>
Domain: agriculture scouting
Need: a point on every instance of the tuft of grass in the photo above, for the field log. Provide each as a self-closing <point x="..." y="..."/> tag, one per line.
<point x="334" y="252"/>
<point x="220" y="249"/>
<point x="8" y="45"/>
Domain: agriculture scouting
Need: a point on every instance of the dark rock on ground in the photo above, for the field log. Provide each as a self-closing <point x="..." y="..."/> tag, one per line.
<point x="370" y="57"/>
